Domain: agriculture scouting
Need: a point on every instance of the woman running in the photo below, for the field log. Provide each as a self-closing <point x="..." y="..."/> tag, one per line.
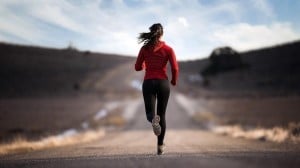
<point x="153" y="57"/>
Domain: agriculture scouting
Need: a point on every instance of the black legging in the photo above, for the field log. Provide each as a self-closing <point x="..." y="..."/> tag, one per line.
<point x="156" y="89"/>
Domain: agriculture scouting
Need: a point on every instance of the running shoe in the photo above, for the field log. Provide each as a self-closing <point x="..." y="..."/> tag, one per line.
<point x="155" y="125"/>
<point x="160" y="149"/>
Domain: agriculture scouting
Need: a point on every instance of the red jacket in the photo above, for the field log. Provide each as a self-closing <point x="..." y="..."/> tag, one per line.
<point x="155" y="60"/>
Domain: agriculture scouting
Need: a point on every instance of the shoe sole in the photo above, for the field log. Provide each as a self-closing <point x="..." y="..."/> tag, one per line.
<point x="156" y="126"/>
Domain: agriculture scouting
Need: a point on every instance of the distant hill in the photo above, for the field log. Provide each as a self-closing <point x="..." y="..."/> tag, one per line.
<point x="38" y="71"/>
<point x="269" y="71"/>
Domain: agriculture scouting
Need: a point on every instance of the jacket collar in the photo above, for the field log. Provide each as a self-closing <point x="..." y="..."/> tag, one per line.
<point x="159" y="46"/>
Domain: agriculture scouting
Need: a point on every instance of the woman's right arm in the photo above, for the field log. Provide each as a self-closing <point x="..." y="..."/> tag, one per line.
<point x="139" y="64"/>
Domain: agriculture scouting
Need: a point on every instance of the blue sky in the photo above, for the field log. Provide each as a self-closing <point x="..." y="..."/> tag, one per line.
<point x="192" y="27"/>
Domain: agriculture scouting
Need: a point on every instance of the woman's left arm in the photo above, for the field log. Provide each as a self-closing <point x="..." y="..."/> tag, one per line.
<point x="174" y="67"/>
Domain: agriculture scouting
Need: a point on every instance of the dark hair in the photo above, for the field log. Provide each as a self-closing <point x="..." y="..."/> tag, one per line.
<point x="152" y="37"/>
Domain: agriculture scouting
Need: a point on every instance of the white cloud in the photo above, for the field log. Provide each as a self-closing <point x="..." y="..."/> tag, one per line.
<point x="120" y="41"/>
<point x="225" y="8"/>
<point x="193" y="28"/>
<point x="57" y="15"/>
<point x="244" y="36"/>
<point x="183" y="21"/>
<point x="20" y="27"/>
<point x="264" y="7"/>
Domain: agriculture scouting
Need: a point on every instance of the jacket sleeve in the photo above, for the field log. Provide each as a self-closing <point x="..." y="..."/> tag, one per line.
<point x="140" y="61"/>
<point x="174" y="67"/>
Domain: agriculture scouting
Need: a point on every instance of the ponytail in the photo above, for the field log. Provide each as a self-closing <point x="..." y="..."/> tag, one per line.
<point x="152" y="37"/>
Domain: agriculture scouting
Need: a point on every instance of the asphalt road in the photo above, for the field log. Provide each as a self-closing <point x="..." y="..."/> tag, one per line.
<point x="187" y="145"/>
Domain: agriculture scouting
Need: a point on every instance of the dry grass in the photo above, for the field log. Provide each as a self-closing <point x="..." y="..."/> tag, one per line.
<point x="115" y="120"/>
<point x="23" y="145"/>
<point x="276" y="134"/>
<point x="204" y="116"/>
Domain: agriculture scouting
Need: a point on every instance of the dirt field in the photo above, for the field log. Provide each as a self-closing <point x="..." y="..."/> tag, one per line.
<point x="256" y="112"/>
